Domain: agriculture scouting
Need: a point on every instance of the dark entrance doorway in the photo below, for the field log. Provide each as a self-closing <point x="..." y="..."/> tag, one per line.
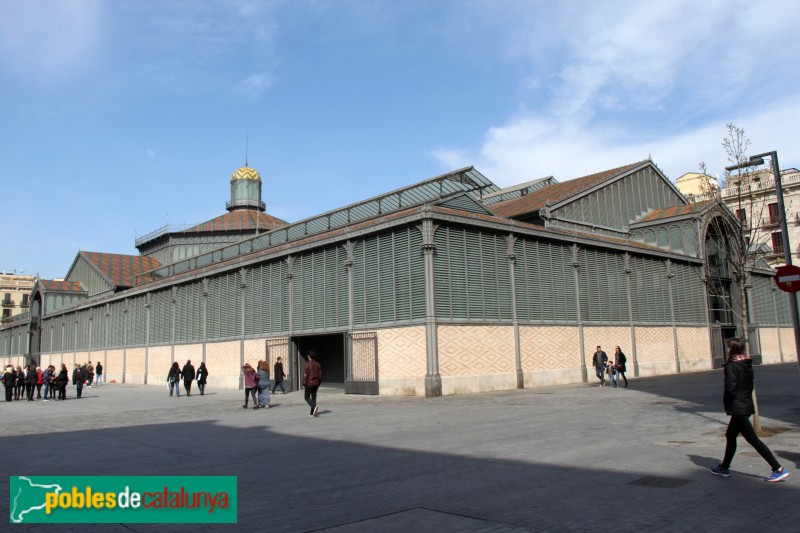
<point x="330" y="355"/>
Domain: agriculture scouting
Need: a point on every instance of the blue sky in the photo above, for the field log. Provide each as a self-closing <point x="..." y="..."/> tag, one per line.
<point x="120" y="117"/>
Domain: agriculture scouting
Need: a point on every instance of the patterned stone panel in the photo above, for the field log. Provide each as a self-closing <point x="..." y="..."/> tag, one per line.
<point x="223" y="363"/>
<point x="654" y="345"/>
<point x="693" y="344"/>
<point x="770" y="350"/>
<point x="549" y="347"/>
<point x="186" y="352"/>
<point x="475" y="350"/>
<point x="159" y="359"/>
<point x="134" y="365"/>
<point x="401" y="353"/>
<point x="787" y="341"/>
<point x="113" y="368"/>
<point x="81" y="358"/>
<point x="44" y="360"/>
<point x="607" y="337"/>
<point x="255" y="350"/>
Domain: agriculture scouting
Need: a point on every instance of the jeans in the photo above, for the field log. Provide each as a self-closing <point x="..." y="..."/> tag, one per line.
<point x="613" y="378"/>
<point x="741" y="424"/>
<point x="176" y="386"/>
<point x="278" y="384"/>
<point x="98" y="379"/>
<point x="600" y="370"/>
<point x="263" y="395"/>
<point x="310" y="396"/>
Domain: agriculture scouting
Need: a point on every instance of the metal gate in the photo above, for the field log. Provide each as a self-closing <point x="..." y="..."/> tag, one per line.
<point x="275" y="348"/>
<point x="362" y="364"/>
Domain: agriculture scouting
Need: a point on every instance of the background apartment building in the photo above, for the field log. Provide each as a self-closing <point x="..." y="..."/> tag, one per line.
<point x="752" y="198"/>
<point x="15" y="290"/>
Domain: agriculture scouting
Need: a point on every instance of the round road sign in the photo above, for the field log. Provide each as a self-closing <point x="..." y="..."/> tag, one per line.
<point x="787" y="278"/>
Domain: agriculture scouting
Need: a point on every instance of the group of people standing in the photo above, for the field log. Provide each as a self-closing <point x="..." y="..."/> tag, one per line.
<point x="615" y="368"/>
<point x="187" y="375"/>
<point x="258" y="379"/>
<point x="22" y="383"/>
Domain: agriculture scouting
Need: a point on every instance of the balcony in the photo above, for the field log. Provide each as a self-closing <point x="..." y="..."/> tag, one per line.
<point x="770" y="221"/>
<point x="8" y="303"/>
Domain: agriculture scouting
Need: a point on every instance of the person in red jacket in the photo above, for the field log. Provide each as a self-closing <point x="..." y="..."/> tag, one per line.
<point x="738" y="402"/>
<point x="312" y="378"/>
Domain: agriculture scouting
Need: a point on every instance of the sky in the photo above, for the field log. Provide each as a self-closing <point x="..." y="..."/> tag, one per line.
<point x="119" y="117"/>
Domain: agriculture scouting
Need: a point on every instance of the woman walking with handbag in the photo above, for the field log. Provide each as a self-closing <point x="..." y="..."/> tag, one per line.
<point x="738" y="402"/>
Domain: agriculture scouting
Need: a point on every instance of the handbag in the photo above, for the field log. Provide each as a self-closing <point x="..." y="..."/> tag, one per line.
<point x="618" y="366"/>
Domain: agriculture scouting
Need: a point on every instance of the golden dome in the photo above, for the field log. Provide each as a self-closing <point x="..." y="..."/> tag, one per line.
<point x="246" y="173"/>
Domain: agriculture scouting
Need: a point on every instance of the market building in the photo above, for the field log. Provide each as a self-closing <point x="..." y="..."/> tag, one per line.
<point x="448" y="285"/>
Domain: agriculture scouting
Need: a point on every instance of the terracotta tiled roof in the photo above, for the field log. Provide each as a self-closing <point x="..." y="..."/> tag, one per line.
<point x="121" y="269"/>
<point x="674" y="211"/>
<point x="240" y="219"/>
<point x="61" y="286"/>
<point x="531" y="203"/>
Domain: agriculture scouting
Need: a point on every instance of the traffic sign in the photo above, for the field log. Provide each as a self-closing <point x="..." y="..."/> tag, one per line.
<point x="787" y="278"/>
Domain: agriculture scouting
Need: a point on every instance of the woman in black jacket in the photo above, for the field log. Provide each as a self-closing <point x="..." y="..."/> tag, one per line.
<point x="61" y="382"/>
<point x="738" y="401"/>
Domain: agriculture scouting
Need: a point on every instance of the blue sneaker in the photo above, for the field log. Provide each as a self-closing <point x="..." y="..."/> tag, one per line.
<point x="777" y="475"/>
<point x="720" y="470"/>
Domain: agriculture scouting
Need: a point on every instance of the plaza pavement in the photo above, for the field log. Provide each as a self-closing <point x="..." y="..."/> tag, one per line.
<point x="561" y="458"/>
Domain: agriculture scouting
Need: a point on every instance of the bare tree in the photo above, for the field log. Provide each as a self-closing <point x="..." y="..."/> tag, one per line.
<point x="735" y="242"/>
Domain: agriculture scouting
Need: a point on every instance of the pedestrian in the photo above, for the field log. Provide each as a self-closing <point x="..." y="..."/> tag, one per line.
<point x="188" y="376"/>
<point x="78" y="379"/>
<point x="9" y="382"/>
<point x="98" y="374"/>
<point x="263" y="385"/>
<point x="39" y="382"/>
<point x="619" y="365"/>
<point x="612" y="373"/>
<point x="312" y="378"/>
<point x="19" y="391"/>
<point x="202" y="377"/>
<point x="174" y="379"/>
<point x="599" y="360"/>
<point x="61" y="382"/>
<point x="738" y="402"/>
<point x="30" y="381"/>
<point x="47" y="376"/>
<point x="89" y="376"/>
<point x="250" y="383"/>
<point x="278" y="375"/>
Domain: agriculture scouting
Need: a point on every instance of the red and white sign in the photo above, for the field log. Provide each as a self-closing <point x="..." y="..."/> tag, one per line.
<point x="787" y="278"/>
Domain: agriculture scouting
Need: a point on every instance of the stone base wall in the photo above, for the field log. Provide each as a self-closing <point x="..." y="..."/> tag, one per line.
<point x="223" y="360"/>
<point x="159" y="361"/>
<point x="787" y="344"/>
<point x="113" y="369"/>
<point x="134" y="365"/>
<point x="770" y="347"/>
<point x="401" y="361"/>
<point x="694" y="349"/>
<point x="550" y="355"/>
<point x="655" y="351"/>
<point x="476" y="358"/>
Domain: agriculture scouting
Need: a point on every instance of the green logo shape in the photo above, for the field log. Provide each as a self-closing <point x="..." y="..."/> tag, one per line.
<point x="123" y="499"/>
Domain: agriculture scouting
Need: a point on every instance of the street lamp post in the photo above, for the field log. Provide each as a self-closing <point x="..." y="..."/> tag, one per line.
<point x="755" y="161"/>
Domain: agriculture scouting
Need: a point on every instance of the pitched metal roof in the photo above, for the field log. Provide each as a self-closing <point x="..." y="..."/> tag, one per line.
<point x="52" y="285"/>
<point x="120" y="270"/>
<point x="674" y="211"/>
<point x="239" y="220"/>
<point x="531" y="203"/>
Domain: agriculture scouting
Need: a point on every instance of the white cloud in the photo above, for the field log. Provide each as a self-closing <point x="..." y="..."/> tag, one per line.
<point x="632" y="79"/>
<point x="49" y="40"/>
<point x="256" y="84"/>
